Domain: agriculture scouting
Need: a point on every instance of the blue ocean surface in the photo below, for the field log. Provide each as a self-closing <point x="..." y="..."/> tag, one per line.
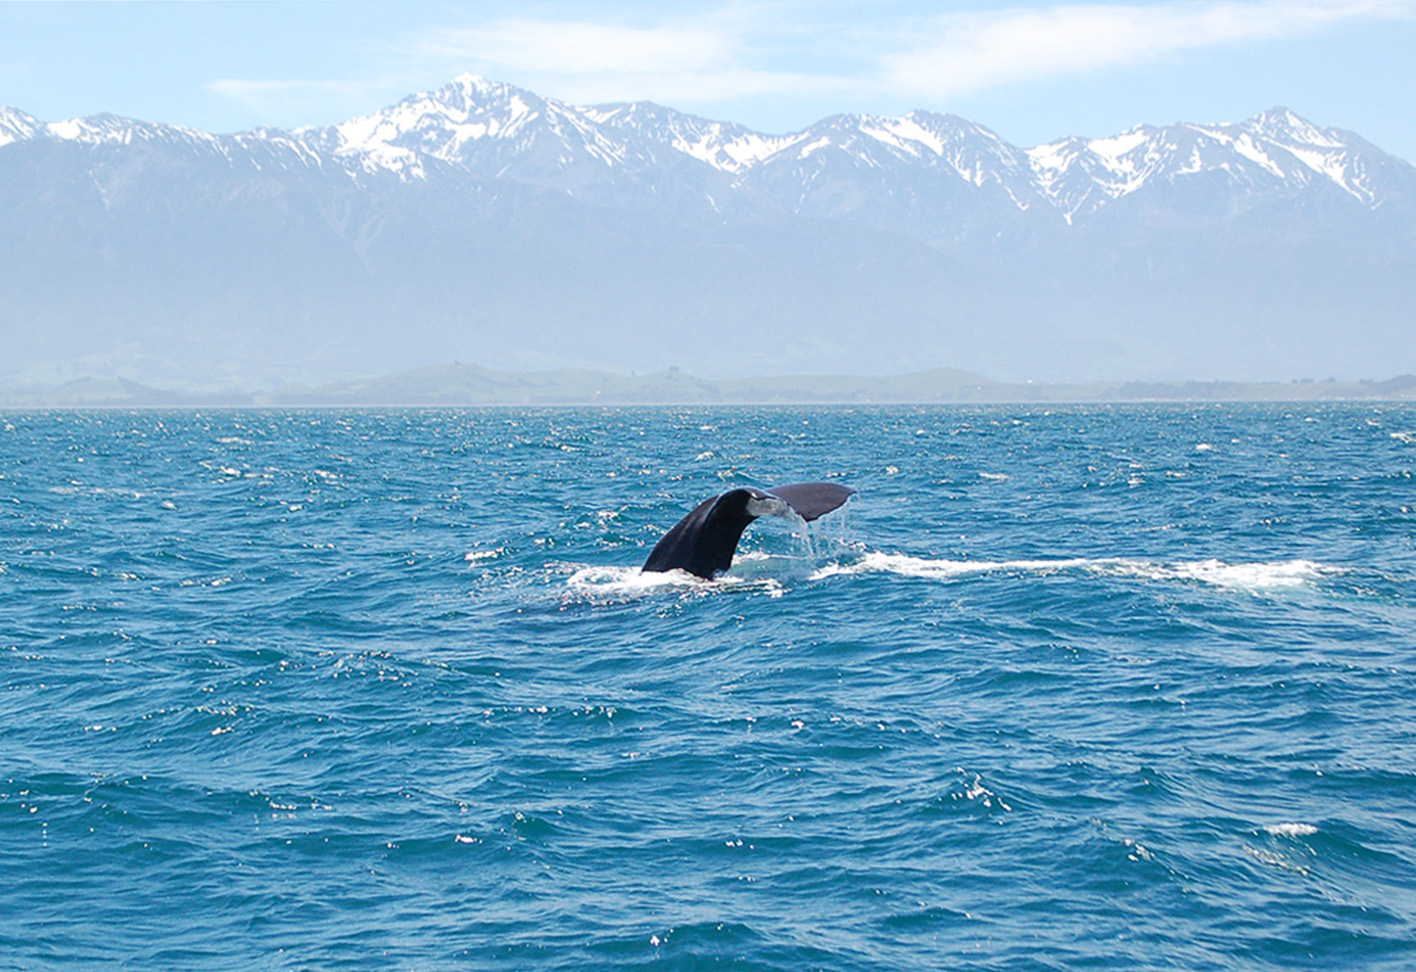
<point x="1124" y="687"/>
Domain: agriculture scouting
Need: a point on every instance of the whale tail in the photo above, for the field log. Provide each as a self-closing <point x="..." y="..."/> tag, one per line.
<point x="704" y="541"/>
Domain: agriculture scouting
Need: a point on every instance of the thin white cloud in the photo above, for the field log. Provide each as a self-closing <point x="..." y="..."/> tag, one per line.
<point x="707" y="59"/>
<point x="733" y="52"/>
<point x="586" y="48"/>
<point x="969" y="52"/>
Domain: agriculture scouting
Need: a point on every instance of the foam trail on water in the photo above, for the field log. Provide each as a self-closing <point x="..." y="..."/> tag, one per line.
<point x="1252" y="576"/>
<point x="940" y="569"/>
<point x="600" y="581"/>
<point x="1263" y="575"/>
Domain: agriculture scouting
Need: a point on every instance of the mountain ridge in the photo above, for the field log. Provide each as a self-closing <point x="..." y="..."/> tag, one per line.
<point x="472" y="113"/>
<point x="481" y="220"/>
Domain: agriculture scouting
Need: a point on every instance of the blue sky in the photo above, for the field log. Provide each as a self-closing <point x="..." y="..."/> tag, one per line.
<point x="1032" y="71"/>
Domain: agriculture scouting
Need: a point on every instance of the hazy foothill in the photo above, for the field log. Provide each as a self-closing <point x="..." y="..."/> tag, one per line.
<point x="632" y="252"/>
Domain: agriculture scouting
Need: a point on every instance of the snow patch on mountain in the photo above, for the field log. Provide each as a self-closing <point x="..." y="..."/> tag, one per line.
<point x="497" y="131"/>
<point x="16" y="125"/>
<point x="904" y="134"/>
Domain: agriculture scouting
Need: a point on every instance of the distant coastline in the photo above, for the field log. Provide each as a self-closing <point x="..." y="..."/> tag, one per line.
<point x="471" y="385"/>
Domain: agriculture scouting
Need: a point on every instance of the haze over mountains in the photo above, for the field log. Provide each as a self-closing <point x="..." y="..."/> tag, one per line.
<point x="483" y="223"/>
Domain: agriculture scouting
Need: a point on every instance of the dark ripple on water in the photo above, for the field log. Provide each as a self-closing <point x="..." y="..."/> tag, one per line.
<point x="1102" y="687"/>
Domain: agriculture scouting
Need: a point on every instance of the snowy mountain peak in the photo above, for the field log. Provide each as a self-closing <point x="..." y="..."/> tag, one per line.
<point x="16" y="125"/>
<point x="107" y="128"/>
<point x="648" y="153"/>
<point x="1282" y="125"/>
<point x="1302" y="153"/>
<point x="398" y="138"/>
<point x="1276" y="151"/>
<point x="470" y="96"/>
<point x="467" y="122"/>
<point x="474" y="85"/>
<point x="724" y="146"/>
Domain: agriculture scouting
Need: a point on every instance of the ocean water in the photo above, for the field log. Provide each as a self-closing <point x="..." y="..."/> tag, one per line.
<point x="1070" y="688"/>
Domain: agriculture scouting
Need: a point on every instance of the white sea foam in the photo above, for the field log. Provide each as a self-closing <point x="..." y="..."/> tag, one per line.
<point x="1290" y="829"/>
<point x="1255" y="576"/>
<point x="627" y="580"/>
<point x="621" y="582"/>
<point x="756" y="569"/>
<point x="1273" y="859"/>
<point x="925" y="567"/>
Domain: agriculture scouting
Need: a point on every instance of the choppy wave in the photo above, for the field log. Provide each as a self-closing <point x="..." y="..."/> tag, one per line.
<point x="292" y="689"/>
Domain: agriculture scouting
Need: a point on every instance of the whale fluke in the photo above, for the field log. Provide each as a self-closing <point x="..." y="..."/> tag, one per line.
<point x="703" y="542"/>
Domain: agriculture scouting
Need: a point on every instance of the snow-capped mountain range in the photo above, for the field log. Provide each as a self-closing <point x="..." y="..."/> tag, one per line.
<point x="486" y="222"/>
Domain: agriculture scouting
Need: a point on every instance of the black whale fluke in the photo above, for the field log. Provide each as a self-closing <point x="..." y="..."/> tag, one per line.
<point x="703" y="542"/>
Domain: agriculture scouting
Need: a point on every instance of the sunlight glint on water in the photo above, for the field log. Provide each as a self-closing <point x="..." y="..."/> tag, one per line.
<point x="1120" y="687"/>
